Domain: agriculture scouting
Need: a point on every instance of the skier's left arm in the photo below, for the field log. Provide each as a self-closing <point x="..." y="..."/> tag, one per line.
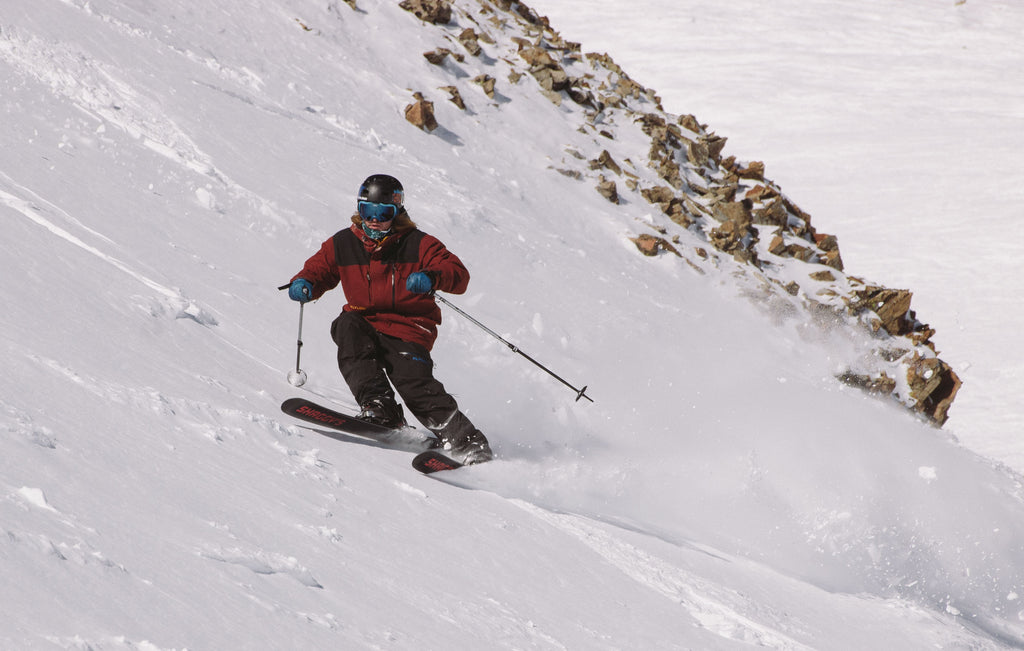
<point x="444" y="268"/>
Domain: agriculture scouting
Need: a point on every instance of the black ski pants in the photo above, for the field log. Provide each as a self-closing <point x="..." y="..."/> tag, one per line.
<point x="368" y="360"/>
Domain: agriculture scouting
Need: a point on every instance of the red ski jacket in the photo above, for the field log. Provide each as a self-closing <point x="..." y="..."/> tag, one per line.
<point x="373" y="274"/>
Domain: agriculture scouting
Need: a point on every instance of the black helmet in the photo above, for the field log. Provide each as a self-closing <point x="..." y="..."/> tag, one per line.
<point x="381" y="188"/>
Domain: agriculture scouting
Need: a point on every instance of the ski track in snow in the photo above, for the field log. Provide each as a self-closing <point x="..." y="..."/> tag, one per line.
<point x="55" y="534"/>
<point x="178" y="304"/>
<point x="261" y="562"/>
<point x="693" y="594"/>
<point x="98" y="91"/>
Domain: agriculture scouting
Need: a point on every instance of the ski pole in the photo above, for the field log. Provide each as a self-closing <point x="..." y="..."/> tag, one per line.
<point x="297" y="377"/>
<point x="580" y="393"/>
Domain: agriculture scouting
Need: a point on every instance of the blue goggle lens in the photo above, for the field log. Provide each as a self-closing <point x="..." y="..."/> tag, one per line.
<point x="377" y="212"/>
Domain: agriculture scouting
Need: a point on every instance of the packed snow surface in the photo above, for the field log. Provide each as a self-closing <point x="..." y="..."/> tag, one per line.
<point x="164" y="167"/>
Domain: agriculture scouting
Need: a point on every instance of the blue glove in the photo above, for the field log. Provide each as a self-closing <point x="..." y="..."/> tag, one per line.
<point x="419" y="283"/>
<point x="300" y="290"/>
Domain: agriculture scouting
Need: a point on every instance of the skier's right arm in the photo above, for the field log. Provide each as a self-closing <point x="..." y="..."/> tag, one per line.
<point x="320" y="271"/>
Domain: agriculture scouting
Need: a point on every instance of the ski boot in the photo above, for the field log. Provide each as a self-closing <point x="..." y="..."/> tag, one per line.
<point x="470" y="449"/>
<point x="381" y="411"/>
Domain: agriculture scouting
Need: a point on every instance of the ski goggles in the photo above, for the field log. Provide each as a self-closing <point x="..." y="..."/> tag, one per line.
<point x="377" y="212"/>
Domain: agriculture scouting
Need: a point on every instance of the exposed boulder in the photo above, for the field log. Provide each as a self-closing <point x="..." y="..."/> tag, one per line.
<point x="890" y="306"/>
<point x="455" y="97"/>
<point x="735" y="235"/>
<point x="605" y="161"/>
<point x="470" y="41"/>
<point x="934" y="385"/>
<point x="421" y="113"/>
<point x="437" y="56"/>
<point x="673" y="206"/>
<point x="660" y="195"/>
<point x="438" y="12"/>
<point x="547" y="71"/>
<point x="487" y="83"/>
<point x="830" y="247"/>
<point x="608" y="190"/>
<point x="753" y="170"/>
<point x="773" y="213"/>
<point x="651" y="245"/>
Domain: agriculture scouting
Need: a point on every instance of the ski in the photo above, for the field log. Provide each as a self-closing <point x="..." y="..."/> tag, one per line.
<point x="432" y="461"/>
<point x="408" y="438"/>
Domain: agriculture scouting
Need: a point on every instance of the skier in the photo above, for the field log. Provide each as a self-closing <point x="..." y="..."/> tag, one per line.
<point x="388" y="270"/>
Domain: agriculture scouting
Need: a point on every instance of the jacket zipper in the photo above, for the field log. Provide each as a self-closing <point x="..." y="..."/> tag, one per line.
<point x="394" y="288"/>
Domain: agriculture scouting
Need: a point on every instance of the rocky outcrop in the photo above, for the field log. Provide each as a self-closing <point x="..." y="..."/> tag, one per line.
<point x="729" y="210"/>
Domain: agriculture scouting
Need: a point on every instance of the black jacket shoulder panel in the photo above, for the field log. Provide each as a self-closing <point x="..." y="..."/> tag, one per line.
<point x="348" y="250"/>
<point x="407" y="250"/>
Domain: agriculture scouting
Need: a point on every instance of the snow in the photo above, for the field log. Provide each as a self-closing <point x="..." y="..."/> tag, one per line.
<point x="165" y="167"/>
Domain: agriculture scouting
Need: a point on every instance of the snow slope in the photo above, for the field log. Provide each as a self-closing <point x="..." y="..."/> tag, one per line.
<point x="164" y="168"/>
<point x="898" y="126"/>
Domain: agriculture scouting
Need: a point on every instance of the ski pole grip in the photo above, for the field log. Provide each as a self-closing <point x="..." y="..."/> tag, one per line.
<point x="285" y="286"/>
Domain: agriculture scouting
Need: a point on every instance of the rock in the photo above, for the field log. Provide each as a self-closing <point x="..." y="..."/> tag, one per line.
<point x="734" y="211"/>
<point x="455" y="96"/>
<point x="826" y="242"/>
<point x="572" y="174"/>
<point x="690" y="123"/>
<point x="761" y="193"/>
<point x="922" y="334"/>
<point x="550" y="75"/>
<point x="754" y="170"/>
<point x="421" y="113"/>
<point x="890" y="305"/>
<point x="880" y="384"/>
<point x="580" y="93"/>
<point x="438" y="12"/>
<point x="608" y="190"/>
<point x="661" y="194"/>
<point x="832" y="259"/>
<point x="773" y="214"/>
<point x="934" y="385"/>
<point x="605" y="161"/>
<point x="698" y="153"/>
<point x="654" y="126"/>
<point x="651" y="245"/>
<point x="537" y="57"/>
<point x="487" y="83"/>
<point x="470" y="41"/>
<point x="715" y="146"/>
<point x="438" y="56"/>
<point x="669" y="170"/>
